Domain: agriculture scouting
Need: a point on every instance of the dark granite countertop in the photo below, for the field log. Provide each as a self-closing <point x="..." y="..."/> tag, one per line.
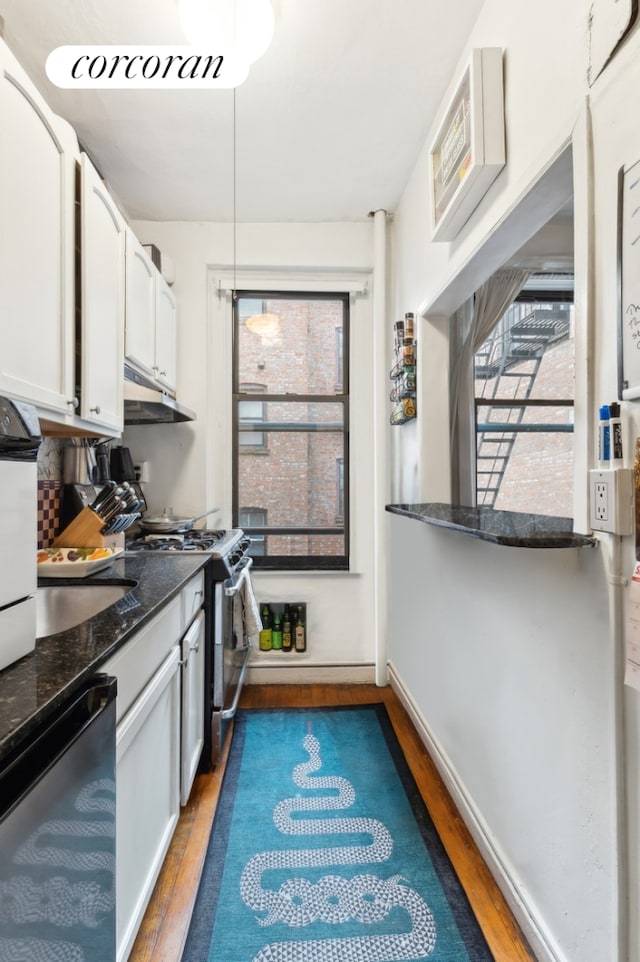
<point x="514" y="528"/>
<point x="34" y="686"/>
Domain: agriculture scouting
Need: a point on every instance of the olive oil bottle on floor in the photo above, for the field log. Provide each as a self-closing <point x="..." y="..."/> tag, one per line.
<point x="286" y="630"/>
<point x="300" y="640"/>
<point x="265" y="639"/>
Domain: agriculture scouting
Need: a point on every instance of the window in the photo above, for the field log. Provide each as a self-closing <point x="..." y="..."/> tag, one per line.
<point x="250" y="414"/>
<point x="252" y="518"/>
<point x="524" y="391"/>
<point x="291" y="427"/>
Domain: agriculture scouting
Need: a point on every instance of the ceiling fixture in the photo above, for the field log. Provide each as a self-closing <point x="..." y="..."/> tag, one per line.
<point x="245" y="24"/>
<point x="266" y="325"/>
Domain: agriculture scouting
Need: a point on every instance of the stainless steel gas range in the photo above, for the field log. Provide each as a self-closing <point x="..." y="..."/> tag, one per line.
<point x="226" y="654"/>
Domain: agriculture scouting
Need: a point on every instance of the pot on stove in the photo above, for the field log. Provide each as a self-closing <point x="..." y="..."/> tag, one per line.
<point x="168" y="523"/>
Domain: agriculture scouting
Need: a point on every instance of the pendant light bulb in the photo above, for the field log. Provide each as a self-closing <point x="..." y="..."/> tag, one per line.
<point x="245" y="24"/>
<point x="266" y="325"/>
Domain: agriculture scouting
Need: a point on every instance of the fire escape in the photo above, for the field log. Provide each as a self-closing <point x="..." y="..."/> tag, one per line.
<point x="507" y="366"/>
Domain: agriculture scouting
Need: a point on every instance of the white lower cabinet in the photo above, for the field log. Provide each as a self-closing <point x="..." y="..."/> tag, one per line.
<point x="147" y="793"/>
<point x="192" y="705"/>
<point x="159" y="738"/>
<point x="147" y="763"/>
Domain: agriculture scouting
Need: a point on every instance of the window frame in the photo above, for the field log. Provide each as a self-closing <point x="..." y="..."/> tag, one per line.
<point x="253" y="388"/>
<point x="340" y="395"/>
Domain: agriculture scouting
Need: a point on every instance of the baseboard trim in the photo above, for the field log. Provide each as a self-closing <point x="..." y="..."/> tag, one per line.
<point x="533" y="927"/>
<point x="310" y="674"/>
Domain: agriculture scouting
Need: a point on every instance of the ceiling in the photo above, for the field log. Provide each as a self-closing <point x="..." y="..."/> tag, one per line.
<point x="329" y="123"/>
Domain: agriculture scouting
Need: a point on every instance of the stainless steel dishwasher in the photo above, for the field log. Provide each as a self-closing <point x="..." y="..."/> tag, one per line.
<point x="57" y="835"/>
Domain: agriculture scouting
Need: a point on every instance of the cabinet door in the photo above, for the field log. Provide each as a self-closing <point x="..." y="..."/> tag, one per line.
<point x="102" y="258"/>
<point x="140" y="306"/>
<point x="147" y="795"/>
<point x="192" y="705"/>
<point x="37" y="190"/>
<point x="165" y="334"/>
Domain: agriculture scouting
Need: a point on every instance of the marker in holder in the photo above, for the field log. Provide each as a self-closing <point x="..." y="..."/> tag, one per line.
<point x="604" y="437"/>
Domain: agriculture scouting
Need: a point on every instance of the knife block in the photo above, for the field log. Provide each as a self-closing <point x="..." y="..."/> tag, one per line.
<point x="85" y="532"/>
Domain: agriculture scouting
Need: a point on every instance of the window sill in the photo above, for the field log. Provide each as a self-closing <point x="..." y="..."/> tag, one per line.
<point x="512" y="528"/>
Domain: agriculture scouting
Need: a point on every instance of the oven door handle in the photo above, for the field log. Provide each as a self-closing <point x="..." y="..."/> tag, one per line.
<point x="237" y="586"/>
<point x="228" y="713"/>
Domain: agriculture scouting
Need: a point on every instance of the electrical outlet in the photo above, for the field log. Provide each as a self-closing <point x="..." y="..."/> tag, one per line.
<point x="142" y="472"/>
<point x="601" y="500"/>
<point x="611" y="500"/>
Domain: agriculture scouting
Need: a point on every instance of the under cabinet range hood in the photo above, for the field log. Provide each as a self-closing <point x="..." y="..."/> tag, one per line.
<point x="145" y="404"/>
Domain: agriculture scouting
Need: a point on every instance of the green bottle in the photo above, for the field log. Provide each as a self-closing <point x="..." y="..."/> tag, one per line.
<point x="265" y="641"/>
<point x="276" y="633"/>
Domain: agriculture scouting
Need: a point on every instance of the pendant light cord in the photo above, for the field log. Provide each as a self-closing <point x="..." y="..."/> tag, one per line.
<point x="235" y="173"/>
<point x="235" y="211"/>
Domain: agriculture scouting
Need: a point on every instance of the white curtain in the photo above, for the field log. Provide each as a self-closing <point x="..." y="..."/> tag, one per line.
<point x="490" y="302"/>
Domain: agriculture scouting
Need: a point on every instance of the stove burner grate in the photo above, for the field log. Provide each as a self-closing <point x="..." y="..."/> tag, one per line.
<point x="200" y="540"/>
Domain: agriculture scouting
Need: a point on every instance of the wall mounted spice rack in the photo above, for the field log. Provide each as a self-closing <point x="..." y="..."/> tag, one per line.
<point x="403" y="372"/>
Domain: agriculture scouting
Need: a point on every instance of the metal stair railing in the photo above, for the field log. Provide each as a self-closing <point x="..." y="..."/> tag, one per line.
<point x="513" y="354"/>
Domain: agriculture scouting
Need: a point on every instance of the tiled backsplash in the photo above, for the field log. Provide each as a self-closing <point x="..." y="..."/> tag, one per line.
<point x="48" y="512"/>
<point x="49" y="487"/>
<point x="50" y="459"/>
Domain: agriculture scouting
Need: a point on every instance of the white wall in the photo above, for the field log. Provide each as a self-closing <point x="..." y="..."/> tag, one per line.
<point x="506" y="661"/>
<point x="513" y="666"/>
<point x="616" y="144"/>
<point x="191" y="463"/>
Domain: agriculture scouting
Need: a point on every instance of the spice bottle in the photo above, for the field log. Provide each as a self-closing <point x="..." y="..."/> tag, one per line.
<point x="408" y="325"/>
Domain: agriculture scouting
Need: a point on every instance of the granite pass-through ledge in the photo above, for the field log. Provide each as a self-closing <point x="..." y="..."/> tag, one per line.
<point x="514" y="528"/>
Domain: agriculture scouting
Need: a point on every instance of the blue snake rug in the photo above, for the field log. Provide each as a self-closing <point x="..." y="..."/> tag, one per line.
<point x="322" y="850"/>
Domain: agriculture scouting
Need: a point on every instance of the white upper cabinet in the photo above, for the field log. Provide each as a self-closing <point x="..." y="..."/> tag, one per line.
<point x="37" y="193"/>
<point x="165" y="334"/>
<point x="102" y="304"/>
<point x="62" y="274"/>
<point x="150" y="343"/>
<point x="140" y="307"/>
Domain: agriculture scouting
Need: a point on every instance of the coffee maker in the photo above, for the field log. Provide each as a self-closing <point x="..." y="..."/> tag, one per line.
<point x="122" y="469"/>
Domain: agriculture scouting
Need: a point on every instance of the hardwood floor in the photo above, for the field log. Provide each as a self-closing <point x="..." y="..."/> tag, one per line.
<point x="164" y="928"/>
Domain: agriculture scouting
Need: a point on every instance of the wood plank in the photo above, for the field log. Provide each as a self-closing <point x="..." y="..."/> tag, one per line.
<point x="164" y="929"/>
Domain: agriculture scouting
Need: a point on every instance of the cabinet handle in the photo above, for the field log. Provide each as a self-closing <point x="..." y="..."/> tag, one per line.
<point x="73" y="402"/>
<point x="162" y="373"/>
<point x="183" y="662"/>
<point x="96" y="409"/>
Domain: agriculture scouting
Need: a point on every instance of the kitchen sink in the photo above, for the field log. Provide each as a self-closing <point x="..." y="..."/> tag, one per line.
<point x="60" y="607"/>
